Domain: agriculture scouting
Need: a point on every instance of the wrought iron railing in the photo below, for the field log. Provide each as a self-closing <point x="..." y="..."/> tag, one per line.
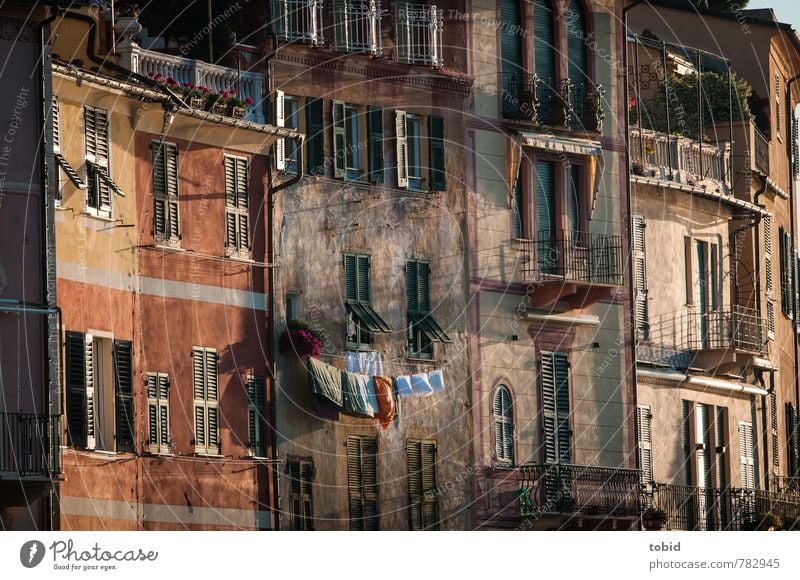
<point x="518" y="96"/>
<point x="672" y="338"/>
<point x="561" y="103"/>
<point x="297" y="20"/>
<point x="786" y="484"/>
<point x="418" y="33"/>
<point x="761" y="151"/>
<point x="574" y="257"/>
<point x="584" y="489"/>
<point x="358" y="25"/>
<point x="586" y="105"/>
<point x="30" y="444"/>
<point x="695" y="508"/>
<point x="679" y="158"/>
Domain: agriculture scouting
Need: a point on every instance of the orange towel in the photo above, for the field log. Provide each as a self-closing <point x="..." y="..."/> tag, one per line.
<point x="383" y="390"/>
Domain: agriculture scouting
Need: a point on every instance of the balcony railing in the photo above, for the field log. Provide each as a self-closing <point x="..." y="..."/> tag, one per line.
<point x="30" y="444"/>
<point x="418" y="33"/>
<point x="672" y="338"/>
<point x="786" y="484"/>
<point x="761" y="147"/>
<point x="694" y="508"/>
<point x="358" y="25"/>
<point x="297" y="20"/>
<point x="571" y="256"/>
<point x="186" y="70"/>
<point x="563" y="104"/>
<point x="584" y="489"/>
<point x="678" y="158"/>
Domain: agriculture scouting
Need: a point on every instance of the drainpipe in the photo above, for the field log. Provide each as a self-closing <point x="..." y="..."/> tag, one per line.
<point x="271" y="192"/>
<point x="793" y="208"/>
<point x="628" y="197"/>
<point x="51" y="403"/>
<point x="754" y="224"/>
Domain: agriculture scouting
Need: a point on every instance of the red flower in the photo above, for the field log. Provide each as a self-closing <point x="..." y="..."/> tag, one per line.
<point x="248" y="101"/>
<point x="224" y="94"/>
<point x="233" y="91"/>
<point x="151" y="74"/>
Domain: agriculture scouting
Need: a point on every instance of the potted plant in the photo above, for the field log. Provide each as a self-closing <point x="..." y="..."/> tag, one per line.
<point x="654" y="519"/>
<point x="592" y="115"/>
<point x="217" y="103"/>
<point x="194" y="96"/>
<point x="638" y="168"/>
<point x="236" y="105"/>
<point x="300" y="339"/>
<point x="126" y="20"/>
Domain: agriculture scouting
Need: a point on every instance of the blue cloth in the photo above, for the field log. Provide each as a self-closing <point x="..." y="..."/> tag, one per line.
<point x="436" y="379"/>
<point x="403" y="386"/>
<point x="421" y="385"/>
<point x="356" y="400"/>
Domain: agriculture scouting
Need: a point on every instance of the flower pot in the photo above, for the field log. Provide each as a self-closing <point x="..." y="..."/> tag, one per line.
<point x="237" y="112"/>
<point x="127" y="28"/>
<point x="197" y="102"/>
<point x="219" y="108"/>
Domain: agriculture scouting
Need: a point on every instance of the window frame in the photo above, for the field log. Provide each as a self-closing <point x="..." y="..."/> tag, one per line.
<point x="168" y="198"/>
<point x="208" y="404"/>
<point x="256" y="418"/>
<point x="239" y="210"/>
<point x="158" y="400"/>
<point x="428" y="496"/>
<point x="298" y="497"/>
<point x="363" y="338"/>
<point x="94" y="166"/>
<point x="365" y="493"/>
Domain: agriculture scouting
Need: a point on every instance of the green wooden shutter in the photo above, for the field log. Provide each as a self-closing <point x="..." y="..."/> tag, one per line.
<point x="55" y="119"/>
<point x="350" y="278"/>
<point x="545" y="210"/>
<point x="158" y="412"/>
<point x="791" y="440"/>
<point x="511" y="36"/>
<point x="363" y="287"/>
<point x="123" y="382"/>
<point x="423" y="276"/>
<point x="339" y="140"/>
<point x="576" y="42"/>
<point x="574" y="201"/>
<point x="401" y="145"/>
<point x="256" y="393"/>
<point x="415" y="489"/>
<point x="375" y="128"/>
<point x="721" y="442"/>
<point x="362" y="482"/>
<point x="686" y="442"/>
<point x="519" y="219"/>
<point x="644" y="419"/>
<point x="554" y="373"/>
<point x="315" y="140"/>
<point x="544" y="42"/>
<point x="412" y="287"/>
<point x="166" y="223"/>
<point x="76" y="388"/>
<point x="436" y="152"/>
<point x="640" y="277"/>
<point x="430" y="504"/>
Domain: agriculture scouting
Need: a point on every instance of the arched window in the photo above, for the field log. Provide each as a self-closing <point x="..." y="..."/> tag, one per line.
<point x="503" y="426"/>
<point x="544" y="43"/>
<point x="576" y="43"/>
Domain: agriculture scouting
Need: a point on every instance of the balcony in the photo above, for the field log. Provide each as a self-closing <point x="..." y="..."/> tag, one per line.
<point x="694" y="508"/>
<point x="186" y="70"/>
<point x="578" y="266"/>
<point x="30" y="444"/>
<point x="298" y="20"/>
<point x="709" y="340"/>
<point x="418" y="34"/>
<point x="554" y="104"/>
<point x="679" y="159"/>
<point x="761" y="151"/>
<point x="578" y="489"/>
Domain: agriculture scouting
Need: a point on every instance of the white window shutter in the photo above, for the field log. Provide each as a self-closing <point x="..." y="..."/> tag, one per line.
<point x="91" y="416"/>
<point x="280" y="121"/>
<point x="644" y="424"/>
<point x="746" y="456"/>
<point x="401" y="134"/>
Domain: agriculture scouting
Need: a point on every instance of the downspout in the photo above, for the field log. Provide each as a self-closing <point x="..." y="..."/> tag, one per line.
<point x="51" y="405"/>
<point x="793" y="208"/>
<point x="754" y="224"/>
<point x="271" y="192"/>
<point x="628" y="199"/>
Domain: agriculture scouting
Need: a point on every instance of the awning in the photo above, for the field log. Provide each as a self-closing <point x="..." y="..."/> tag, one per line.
<point x="71" y="173"/>
<point x="425" y="322"/>
<point x="368" y="317"/>
<point x="103" y="173"/>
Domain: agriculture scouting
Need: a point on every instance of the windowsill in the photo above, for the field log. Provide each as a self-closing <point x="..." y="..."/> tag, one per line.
<point x="159" y="454"/>
<point x="418" y="360"/>
<point x="257" y="457"/>
<point x="362" y="348"/>
<point x="168" y="248"/>
<point x="209" y="455"/>
<point x="96" y="216"/>
<point x="241" y="259"/>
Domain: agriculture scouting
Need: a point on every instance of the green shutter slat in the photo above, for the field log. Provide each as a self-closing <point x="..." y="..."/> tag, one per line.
<point x="686" y="442"/>
<point x="363" y="279"/>
<point x="350" y="278"/>
<point x="423" y="274"/>
<point x="362" y="482"/>
<point x="339" y="139"/>
<point x="375" y="128"/>
<point x="576" y="42"/>
<point x="511" y="36"/>
<point x="519" y="220"/>
<point x="123" y="375"/>
<point x="76" y="388"/>
<point x="315" y="141"/>
<point x="415" y="486"/>
<point x="561" y="367"/>
<point x="412" y="301"/>
<point x="574" y="198"/>
<point x="545" y="210"/>
<point x="436" y="152"/>
<point x="544" y="42"/>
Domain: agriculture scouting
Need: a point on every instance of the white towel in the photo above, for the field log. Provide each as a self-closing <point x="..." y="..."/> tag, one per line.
<point x="421" y="385"/>
<point x="403" y="386"/>
<point x="364" y="363"/>
<point x="436" y="380"/>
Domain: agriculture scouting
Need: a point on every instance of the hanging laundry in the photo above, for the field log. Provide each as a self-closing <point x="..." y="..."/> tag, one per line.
<point x="403" y="385"/>
<point x="326" y="380"/>
<point x="385" y="397"/>
<point x="436" y="379"/>
<point x="355" y="396"/>
<point x="421" y="385"/>
<point x="364" y="362"/>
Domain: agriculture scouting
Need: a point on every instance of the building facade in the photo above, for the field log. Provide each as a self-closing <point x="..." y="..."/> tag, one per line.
<point x="553" y="395"/>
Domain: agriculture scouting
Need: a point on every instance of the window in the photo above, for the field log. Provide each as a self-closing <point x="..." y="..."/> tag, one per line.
<point x="362" y="482"/>
<point x="166" y="221"/>
<point x="298" y="20"/>
<point x="205" y="381"/>
<point x="422" y="494"/>
<point x="418" y="33"/>
<point x="554" y="378"/>
<point x="747" y="471"/>
<point x="237" y="216"/>
<point x="375" y="128"/>
<point x="519" y="209"/>
<point x="577" y="70"/>
<point x="640" y="279"/>
<point x="770" y="305"/>
<point x="362" y="320"/>
<point x="99" y="377"/>
<point x="787" y="273"/>
<point x="511" y="48"/>
<point x="257" y="421"/>
<point x="358" y="25"/>
<point x="159" y="439"/>
<point x="287" y="114"/>
<point x="60" y="161"/>
<point x="721" y="443"/>
<point x="350" y="134"/>
<point x="423" y="330"/>
<point x="644" y="421"/>
<point x="315" y="137"/>
<point x="411" y="148"/>
<point x="98" y="167"/>
<point x="544" y="43"/>
<point x="301" y="474"/>
<point x="503" y="426"/>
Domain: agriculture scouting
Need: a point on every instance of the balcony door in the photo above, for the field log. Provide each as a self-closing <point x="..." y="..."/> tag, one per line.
<point x="511" y="39"/>
<point x="545" y="233"/>
<point x="703" y="468"/>
<point x="700" y="294"/>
